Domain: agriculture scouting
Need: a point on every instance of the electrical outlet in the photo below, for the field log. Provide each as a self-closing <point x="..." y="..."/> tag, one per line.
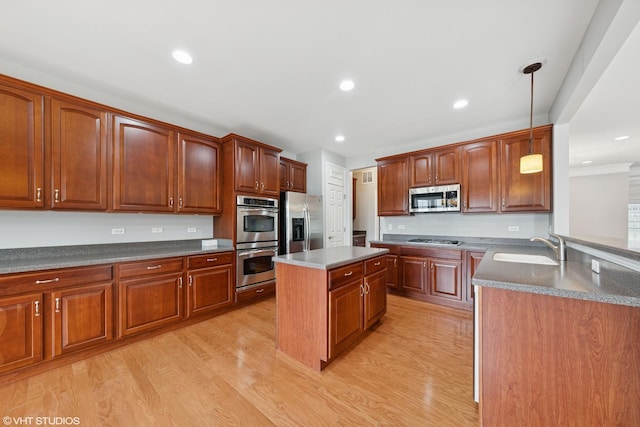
<point x="117" y="231"/>
<point x="595" y="266"/>
<point x="390" y="227"/>
<point x="157" y="230"/>
<point x="514" y="228"/>
<point x="192" y="229"/>
<point x="401" y="227"/>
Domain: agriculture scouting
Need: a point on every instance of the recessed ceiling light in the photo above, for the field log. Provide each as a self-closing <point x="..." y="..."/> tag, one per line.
<point x="339" y="138"/>
<point x="460" y="104"/>
<point x="347" y="85"/>
<point x="586" y="162"/>
<point x="621" y="138"/>
<point x="182" y="57"/>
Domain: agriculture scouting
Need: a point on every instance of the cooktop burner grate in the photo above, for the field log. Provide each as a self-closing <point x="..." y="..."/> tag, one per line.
<point x="436" y="241"/>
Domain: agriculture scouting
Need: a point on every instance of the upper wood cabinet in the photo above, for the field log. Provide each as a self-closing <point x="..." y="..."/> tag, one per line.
<point x="293" y="175"/>
<point x="256" y="166"/>
<point x="198" y="174"/>
<point x="143" y="166"/>
<point x="435" y="167"/>
<point x="393" y="186"/>
<point x="21" y="148"/>
<point x="525" y="192"/>
<point x="479" y="185"/>
<point x="79" y="144"/>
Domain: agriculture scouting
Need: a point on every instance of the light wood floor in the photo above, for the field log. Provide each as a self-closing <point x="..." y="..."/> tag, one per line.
<point x="414" y="369"/>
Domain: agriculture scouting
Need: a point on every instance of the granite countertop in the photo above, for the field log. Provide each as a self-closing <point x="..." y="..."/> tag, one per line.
<point x="328" y="258"/>
<point x="615" y="284"/>
<point x="46" y="258"/>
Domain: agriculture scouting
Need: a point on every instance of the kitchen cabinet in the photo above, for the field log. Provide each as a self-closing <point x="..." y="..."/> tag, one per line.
<point x="525" y="192"/>
<point x="438" y="279"/>
<point x="473" y="259"/>
<point x="256" y="166"/>
<point x="21" y="148"/>
<point x="445" y="279"/>
<point x="21" y="331"/>
<point x="479" y="184"/>
<point x="79" y="174"/>
<point x="435" y="167"/>
<point x="331" y="312"/>
<point x="211" y="282"/>
<point x="78" y="318"/>
<point x="199" y="171"/>
<point x="293" y="175"/>
<point x="414" y="273"/>
<point x="150" y="295"/>
<point x="143" y="165"/>
<point x="392" y="260"/>
<point x="393" y="186"/>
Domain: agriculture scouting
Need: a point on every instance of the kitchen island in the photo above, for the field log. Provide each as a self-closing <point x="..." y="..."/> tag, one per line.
<point x="557" y="344"/>
<point x="326" y="299"/>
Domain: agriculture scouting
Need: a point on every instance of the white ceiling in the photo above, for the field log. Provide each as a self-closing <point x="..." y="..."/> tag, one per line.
<point x="270" y="70"/>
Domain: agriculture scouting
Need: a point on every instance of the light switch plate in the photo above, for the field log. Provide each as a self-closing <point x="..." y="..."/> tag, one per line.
<point x="595" y="266"/>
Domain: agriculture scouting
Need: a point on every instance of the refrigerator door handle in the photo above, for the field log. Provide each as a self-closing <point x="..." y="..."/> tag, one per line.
<point x="307" y="225"/>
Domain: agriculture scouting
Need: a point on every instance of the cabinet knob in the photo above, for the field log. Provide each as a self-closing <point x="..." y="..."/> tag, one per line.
<point x="38" y="194"/>
<point x="56" y="195"/>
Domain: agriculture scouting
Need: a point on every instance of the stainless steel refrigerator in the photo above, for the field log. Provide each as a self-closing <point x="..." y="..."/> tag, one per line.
<point x="301" y="225"/>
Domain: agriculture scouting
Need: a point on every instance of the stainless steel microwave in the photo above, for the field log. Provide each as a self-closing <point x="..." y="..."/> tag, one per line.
<point x="444" y="198"/>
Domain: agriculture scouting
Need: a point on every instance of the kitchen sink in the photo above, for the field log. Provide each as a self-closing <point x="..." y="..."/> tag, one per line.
<point x="524" y="258"/>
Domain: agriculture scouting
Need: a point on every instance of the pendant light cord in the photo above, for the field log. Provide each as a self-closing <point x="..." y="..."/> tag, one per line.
<point x="531" y="117"/>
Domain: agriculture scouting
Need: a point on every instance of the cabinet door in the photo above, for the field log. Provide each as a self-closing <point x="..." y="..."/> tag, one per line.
<point x="345" y="316"/>
<point x="21" y="148"/>
<point x="79" y="317"/>
<point x="285" y="180"/>
<point x="393" y="191"/>
<point x="445" y="279"/>
<point x="210" y="289"/>
<point x="375" y="298"/>
<point x="78" y="156"/>
<point x="143" y="164"/>
<point x="247" y="176"/>
<point x="525" y="192"/>
<point x="198" y="175"/>
<point x="20" y="331"/>
<point x="447" y="166"/>
<point x="421" y="166"/>
<point x="269" y="172"/>
<point x="391" y="276"/>
<point x="480" y="177"/>
<point x="298" y="177"/>
<point x="414" y="276"/>
<point x="473" y="260"/>
<point x="149" y="303"/>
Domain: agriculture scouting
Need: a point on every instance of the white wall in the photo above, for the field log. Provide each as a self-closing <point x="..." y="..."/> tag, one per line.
<point x="27" y="229"/>
<point x="599" y="205"/>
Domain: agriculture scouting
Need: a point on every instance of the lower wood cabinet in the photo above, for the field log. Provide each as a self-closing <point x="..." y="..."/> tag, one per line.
<point x="346" y="323"/>
<point x="211" y="283"/>
<point x="20" y="331"/>
<point x="150" y="295"/>
<point x="473" y="259"/>
<point x="78" y="318"/>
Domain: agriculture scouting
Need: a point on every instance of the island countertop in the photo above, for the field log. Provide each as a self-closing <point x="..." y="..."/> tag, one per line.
<point x="328" y="258"/>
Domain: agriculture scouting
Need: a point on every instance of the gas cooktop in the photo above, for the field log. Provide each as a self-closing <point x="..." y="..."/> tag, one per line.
<point x="436" y="242"/>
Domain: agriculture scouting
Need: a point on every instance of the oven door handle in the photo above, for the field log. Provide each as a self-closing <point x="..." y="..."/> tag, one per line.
<point x="256" y="251"/>
<point x="262" y="210"/>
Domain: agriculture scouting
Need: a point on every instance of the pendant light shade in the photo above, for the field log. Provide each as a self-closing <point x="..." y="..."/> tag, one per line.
<point x="531" y="163"/>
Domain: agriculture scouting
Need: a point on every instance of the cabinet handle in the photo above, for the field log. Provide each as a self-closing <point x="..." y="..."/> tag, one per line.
<point x="395" y="262"/>
<point x="436" y="177"/>
<point x="170" y="201"/>
<point x="377" y="263"/>
<point x="367" y="288"/>
<point x="256" y="185"/>
<point x="259" y="291"/>
<point x="504" y="203"/>
<point x="212" y="259"/>
<point x="37" y="307"/>
<point x="57" y="305"/>
<point x="348" y="274"/>
<point x="262" y="185"/>
<point x="179" y="282"/>
<point x="361" y="290"/>
<point x="42" y="282"/>
<point x="432" y="267"/>
<point x="288" y="186"/>
<point x="154" y="267"/>
<point x="464" y="205"/>
<point x="180" y="201"/>
<point x="38" y="194"/>
<point x="56" y="195"/>
<point x="190" y="280"/>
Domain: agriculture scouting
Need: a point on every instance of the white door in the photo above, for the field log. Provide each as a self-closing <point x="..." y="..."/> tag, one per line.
<point x="334" y="190"/>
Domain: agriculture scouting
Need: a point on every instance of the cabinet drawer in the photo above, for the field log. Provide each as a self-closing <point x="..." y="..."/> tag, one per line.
<point x="374" y="264"/>
<point x="156" y="266"/>
<point x="432" y="252"/>
<point x="342" y="275"/>
<point x="210" y="260"/>
<point x="257" y="292"/>
<point x="54" y="279"/>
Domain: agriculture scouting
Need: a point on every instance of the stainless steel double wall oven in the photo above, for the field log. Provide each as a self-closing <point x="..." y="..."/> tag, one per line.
<point x="256" y="240"/>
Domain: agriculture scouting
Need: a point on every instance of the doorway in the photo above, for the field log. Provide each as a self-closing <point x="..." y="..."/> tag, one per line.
<point x="365" y="203"/>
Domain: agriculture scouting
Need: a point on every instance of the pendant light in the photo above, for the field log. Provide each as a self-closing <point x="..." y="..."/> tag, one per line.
<point x="531" y="163"/>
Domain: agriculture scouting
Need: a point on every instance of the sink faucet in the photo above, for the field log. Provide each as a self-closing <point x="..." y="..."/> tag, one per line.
<point x="560" y="249"/>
